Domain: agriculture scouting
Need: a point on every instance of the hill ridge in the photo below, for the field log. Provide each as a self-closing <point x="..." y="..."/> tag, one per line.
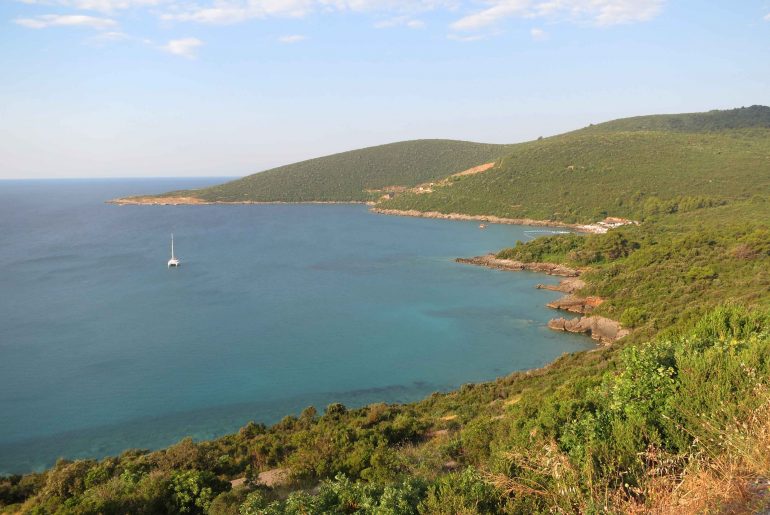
<point x="644" y="165"/>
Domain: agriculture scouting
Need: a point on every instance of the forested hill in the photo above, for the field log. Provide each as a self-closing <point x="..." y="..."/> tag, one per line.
<point x="347" y="176"/>
<point x="633" y="167"/>
<point x="630" y="167"/>
<point x="756" y="116"/>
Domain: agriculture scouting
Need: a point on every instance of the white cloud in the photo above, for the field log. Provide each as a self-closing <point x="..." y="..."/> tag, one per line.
<point x="104" y="6"/>
<point x="186" y="47"/>
<point x="466" y="39"/>
<point x="63" y="20"/>
<point x="402" y="6"/>
<point x="595" y="12"/>
<point x="292" y="38"/>
<point x="767" y="17"/>
<point x="221" y="15"/>
<point x="489" y="16"/>
<point x="234" y="11"/>
<point x="604" y="12"/>
<point x="110" y="37"/>
<point x="480" y="15"/>
<point x="400" y="21"/>
<point x="538" y="34"/>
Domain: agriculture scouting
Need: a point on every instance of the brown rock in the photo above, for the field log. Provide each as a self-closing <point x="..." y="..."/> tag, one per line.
<point x="575" y="304"/>
<point x="599" y="328"/>
<point x="568" y="285"/>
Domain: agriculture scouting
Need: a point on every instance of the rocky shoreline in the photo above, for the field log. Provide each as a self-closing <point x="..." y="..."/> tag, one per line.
<point x="482" y="218"/>
<point x="595" y="228"/>
<point x="600" y="227"/>
<point x="601" y="329"/>
<point x="490" y="261"/>
<point x="195" y="201"/>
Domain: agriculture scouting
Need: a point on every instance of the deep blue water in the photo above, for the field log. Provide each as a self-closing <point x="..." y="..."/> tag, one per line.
<point x="275" y="308"/>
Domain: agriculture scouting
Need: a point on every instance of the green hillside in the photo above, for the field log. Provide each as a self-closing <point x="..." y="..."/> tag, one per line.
<point x="347" y="176"/>
<point x="630" y="168"/>
<point x="757" y="117"/>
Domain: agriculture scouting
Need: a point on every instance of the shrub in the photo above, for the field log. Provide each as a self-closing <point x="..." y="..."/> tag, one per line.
<point x="335" y="410"/>
<point x="193" y="491"/>
<point x="633" y="317"/>
<point x="461" y="493"/>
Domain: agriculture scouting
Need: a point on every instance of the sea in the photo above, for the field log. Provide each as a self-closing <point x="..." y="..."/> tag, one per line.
<point x="275" y="308"/>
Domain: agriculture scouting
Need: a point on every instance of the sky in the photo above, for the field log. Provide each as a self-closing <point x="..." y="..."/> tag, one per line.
<point x="161" y="88"/>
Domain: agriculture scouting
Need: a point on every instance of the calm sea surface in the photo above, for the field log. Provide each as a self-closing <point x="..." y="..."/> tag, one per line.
<point x="275" y="308"/>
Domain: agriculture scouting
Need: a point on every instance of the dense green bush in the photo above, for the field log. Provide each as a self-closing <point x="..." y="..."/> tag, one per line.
<point x="664" y="391"/>
<point x="194" y="490"/>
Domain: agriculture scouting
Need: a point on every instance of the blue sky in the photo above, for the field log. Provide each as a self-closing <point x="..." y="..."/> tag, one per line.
<point x="118" y="88"/>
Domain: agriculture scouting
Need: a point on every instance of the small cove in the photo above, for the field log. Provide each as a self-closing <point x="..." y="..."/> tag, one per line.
<point x="275" y="307"/>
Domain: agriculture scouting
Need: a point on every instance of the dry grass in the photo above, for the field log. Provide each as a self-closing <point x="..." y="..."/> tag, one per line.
<point x="550" y="475"/>
<point x="726" y="472"/>
<point x="729" y="473"/>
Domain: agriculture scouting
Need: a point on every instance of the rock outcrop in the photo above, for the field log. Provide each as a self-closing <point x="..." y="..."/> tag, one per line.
<point x="568" y="285"/>
<point x="491" y="261"/>
<point x="575" y="304"/>
<point x="599" y="328"/>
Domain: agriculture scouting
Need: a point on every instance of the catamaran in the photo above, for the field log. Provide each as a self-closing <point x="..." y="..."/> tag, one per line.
<point x="174" y="261"/>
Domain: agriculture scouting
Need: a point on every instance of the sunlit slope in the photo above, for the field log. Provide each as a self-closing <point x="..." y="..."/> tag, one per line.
<point x="348" y="176"/>
<point x="631" y="168"/>
<point x="754" y="117"/>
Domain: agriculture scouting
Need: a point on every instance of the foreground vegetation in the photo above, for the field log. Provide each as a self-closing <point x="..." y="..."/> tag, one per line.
<point x="675" y="417"/>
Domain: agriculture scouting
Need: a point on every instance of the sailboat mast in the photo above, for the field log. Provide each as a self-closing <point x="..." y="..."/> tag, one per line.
<point x="172" y="245"/>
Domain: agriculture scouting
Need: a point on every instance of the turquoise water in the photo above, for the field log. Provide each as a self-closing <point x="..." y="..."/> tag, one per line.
<point x="275" y="308"/>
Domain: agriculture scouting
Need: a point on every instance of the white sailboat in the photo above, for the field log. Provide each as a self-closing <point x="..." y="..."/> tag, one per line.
<point x="173" y="261"/>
